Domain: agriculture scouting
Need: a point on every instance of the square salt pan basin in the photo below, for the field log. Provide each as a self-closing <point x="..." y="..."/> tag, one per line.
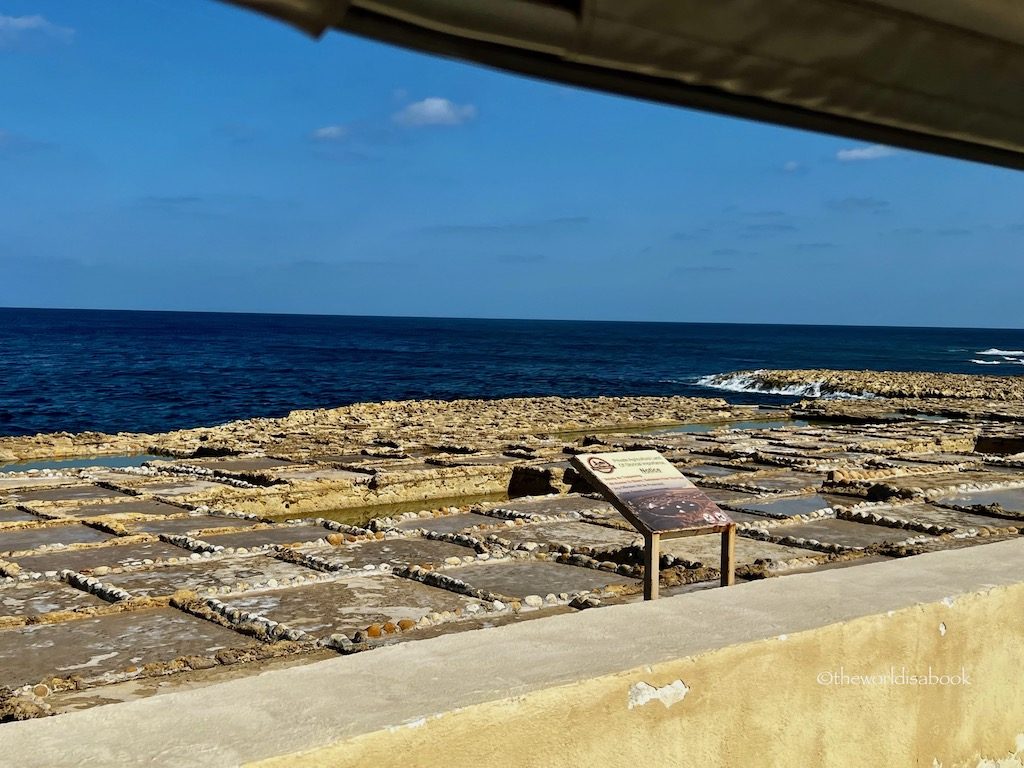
<point x="301" y="474"/>
<point x="92" y="647"/>
<point x="711" y="470"/>
<point x="951" y="479"/>
<point x="552" y="505"/>
<point x="209" y="576"/>
<point x="1010" y="499"/>
<point x="88" y="559"/>
<point x="24" y="539"/>
<point x="14" y="483"/>
<point x="732" y="498"/>
<point x="515" y="579"/>
<point x="240" y="464"/>
<point x="749" y="517"/>
<point x="189" y="524"/>
<point x="934" y="515"/>
<point x="180" y="487"/>
<point x="393" y="552"/>
<point x="279" y="534"/>
<point x="790" y="506"/>
<point x="577" y="535"/>
<point x="34" y="598"/>
<point x="449" y="523"/>
<point x="15" y="515"/>
<point x="845" y="533"/>
<point x="350" y="604"/>
<point x="789" y="481"/>
<point x="707" y="550"/>
<point x="133" y="507"/>
<point x="66" y="493"/>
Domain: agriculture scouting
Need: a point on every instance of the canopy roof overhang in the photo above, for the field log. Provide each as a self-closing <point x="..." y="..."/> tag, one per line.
<point x="939" y="76"/>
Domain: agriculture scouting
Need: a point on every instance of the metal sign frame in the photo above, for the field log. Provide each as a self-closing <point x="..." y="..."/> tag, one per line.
<point x="660" y="502"/>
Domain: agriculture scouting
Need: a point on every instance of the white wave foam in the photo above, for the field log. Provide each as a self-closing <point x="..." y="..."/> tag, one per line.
<point x="753" y="382"/>
<point x="1004" y="352"/>
<point x="986" y="362"/>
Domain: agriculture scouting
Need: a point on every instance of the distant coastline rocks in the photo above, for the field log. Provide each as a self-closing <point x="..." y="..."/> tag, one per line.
<point x="850" y="385"/>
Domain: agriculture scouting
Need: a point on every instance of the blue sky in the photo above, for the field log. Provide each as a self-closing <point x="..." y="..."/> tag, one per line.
<point x="181" y="154"/>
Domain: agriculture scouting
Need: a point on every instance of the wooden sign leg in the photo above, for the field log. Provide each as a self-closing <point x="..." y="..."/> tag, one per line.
<point x="728" y="565"/>
<point x="652" y="565"/>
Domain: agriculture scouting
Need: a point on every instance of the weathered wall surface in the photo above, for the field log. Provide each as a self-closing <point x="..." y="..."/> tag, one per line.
<point x="787" y="700"/>
<point x="749" y="675"/>
<point x="781" y="701"/>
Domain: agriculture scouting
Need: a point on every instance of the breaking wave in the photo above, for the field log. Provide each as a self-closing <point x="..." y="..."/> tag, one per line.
<point x="1006" y="357"/>
<point x="1004" y="361"/>
<point x="753" y="381"/>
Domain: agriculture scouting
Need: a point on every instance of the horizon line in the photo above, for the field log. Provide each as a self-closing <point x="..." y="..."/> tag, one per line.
<point x="510" y="319"/>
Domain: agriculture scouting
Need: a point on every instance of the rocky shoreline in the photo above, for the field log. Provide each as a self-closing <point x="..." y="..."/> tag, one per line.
<point x="412" y="423"/>
<point x="886" y="384"/>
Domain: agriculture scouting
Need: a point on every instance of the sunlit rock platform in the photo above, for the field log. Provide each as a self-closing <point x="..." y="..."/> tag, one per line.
<point x="227" y="551"/>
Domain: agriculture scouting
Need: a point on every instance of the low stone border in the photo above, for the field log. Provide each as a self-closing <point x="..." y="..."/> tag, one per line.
<point x="830" y="548"/>
<point x="434" y="578"/>
<point x="887" y="492"/>
<point x="531" y="517"/>
<point x="192" y="470"/>
<point x="337" y="527"/>
<point x="94" y="586"/>
<point x="318" y="563"/>
<point x="462" y="539"/>
<point x="862" y="515"/>
<point x="203" y="509"/>
<point x="990" y="510"/>
<point x="9" y="568"/>
<point x="55" y="474"/>
<point x="798" y="541"/>
<point x="306" y="560"/>
<point x="875" y="472"/>
<point x="773" y="521"/>
<point x="389" y="524"/>
<point x="371" y="636"/>
<point x="766" y="569"/>
<point x="196" y="544"/>
<point x="246" y="622"/>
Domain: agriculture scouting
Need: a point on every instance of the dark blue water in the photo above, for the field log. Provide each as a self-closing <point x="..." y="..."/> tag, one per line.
<point x="72" y="370"/>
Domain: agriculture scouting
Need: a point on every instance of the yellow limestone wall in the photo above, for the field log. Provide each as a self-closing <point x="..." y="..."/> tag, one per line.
<point x="755" y="704"/>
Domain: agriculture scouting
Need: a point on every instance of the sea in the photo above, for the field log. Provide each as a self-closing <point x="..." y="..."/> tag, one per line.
<point x="111" y="371"/>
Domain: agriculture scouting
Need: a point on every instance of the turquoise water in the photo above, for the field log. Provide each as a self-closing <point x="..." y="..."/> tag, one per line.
<point x="757" y="424"/>
<point x="135" y="460"/>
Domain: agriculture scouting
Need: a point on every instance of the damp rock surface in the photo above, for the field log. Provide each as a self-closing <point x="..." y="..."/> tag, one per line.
<point x="208" y="576"/>
<point x="393" y="552"/>
<point x="31" y="538"/>
<point x="350" y="604"/>
<point x="38" y="597"/>
<point x="89" y="558"/>
<point x="519" y="578"/>
<point x="91" y="647"/>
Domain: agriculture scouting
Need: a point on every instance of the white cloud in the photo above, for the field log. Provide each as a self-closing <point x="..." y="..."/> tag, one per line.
<point x="791" y="166"/>
<point x="13" y="28"/>
<point x="435" y="111"/>
<point x="874" y="152"/>
<point x="330" y="133"/>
